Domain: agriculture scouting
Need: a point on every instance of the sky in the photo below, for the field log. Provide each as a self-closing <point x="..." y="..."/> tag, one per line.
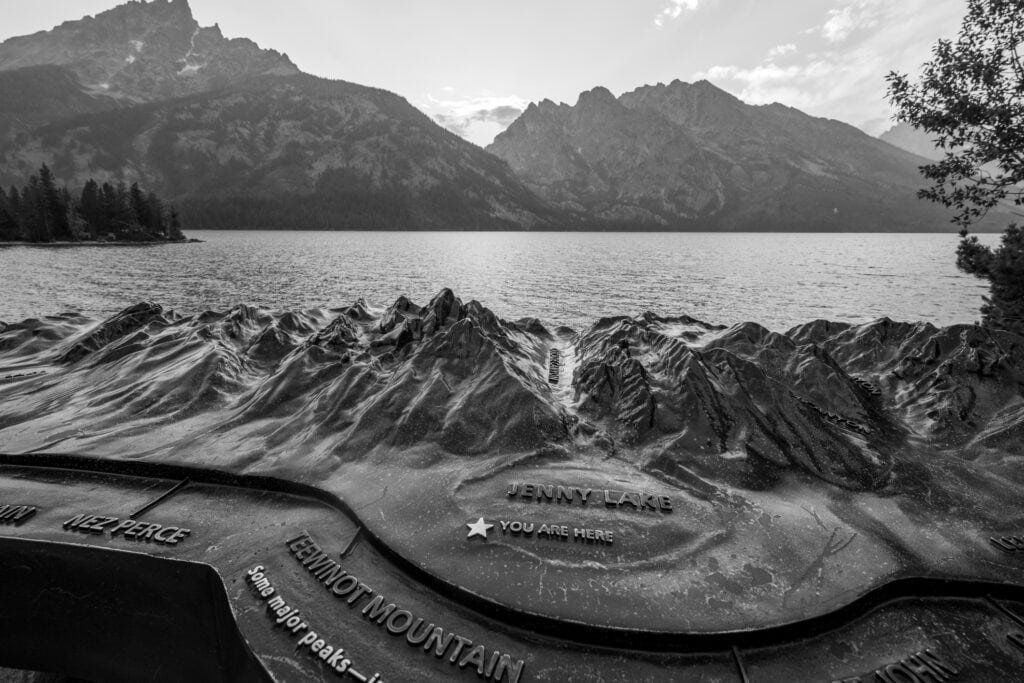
<point x="474" y="65"/>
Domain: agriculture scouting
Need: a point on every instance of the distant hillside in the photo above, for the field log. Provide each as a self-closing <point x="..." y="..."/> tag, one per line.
<point x="291" y="152"/>
<point x="691" y="156"/>
<point x="908" y="138"/>
<point x="235" y="135"/>
<point x="36" y="95"/>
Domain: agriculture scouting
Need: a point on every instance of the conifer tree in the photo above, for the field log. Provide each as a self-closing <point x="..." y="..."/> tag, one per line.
<point x="90" y="208"/>
<point x="8" y="224"/>
<point x="42" y="212"/>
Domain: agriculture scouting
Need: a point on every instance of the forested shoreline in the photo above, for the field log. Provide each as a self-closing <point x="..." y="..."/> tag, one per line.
<point x="42" y="212"/>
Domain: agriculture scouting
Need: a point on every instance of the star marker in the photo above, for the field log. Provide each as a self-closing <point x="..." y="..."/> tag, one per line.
<point x="479" y="528"/>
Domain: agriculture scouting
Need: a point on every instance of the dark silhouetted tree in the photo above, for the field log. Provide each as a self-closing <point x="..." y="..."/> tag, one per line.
<point x="33" y="211"/>
<point x="14" y="210"/>
<point x="90" y="208"/>
<point x="42" y="212"/>
<point x="970" y="96"/>
<point x="8" y="221"/>
<point x="54" y="208"/>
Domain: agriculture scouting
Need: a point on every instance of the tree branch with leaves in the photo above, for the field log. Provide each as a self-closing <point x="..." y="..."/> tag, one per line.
<point x="970" y="97"/>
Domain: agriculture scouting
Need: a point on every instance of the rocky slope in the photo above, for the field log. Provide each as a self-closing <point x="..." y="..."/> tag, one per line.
<point x="144" y="51"/>
<point x="287" y="152"/>
<point x="235" y="135"/>
<point x="908" y="138"/>
<point x="680" y="399"/>
<point x="37" y="95"/>
<point x="692" y="156"/>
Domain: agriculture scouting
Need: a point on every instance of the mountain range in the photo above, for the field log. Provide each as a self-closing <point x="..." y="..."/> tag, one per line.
<point x="693" y="156"/>
<point x="237" y="136"/>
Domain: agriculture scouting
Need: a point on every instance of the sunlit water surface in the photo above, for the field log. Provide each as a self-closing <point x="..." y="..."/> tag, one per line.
<point x="778" y="280"/>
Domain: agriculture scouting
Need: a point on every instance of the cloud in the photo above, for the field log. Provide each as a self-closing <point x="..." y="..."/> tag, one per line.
<point x="840" y="73"/>
<point x="848" y="17"/>
<point x="780" y="50"/>
<point x="460" y="123"/>
<point x="675" y="9"/>
<point x="477" y="118"/>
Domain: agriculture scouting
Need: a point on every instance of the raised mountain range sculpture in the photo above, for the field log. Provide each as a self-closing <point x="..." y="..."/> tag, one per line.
<point x="672" y="482"/>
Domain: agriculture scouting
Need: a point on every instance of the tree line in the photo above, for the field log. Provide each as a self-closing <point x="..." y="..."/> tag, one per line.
<point x="41" y="211"/>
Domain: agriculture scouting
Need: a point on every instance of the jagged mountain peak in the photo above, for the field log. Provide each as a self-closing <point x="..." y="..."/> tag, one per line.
<point x="693" y="156"/>
<point x="144" y="51"/>
<point x="701" y="105"/>
<point x="599" y="95"/>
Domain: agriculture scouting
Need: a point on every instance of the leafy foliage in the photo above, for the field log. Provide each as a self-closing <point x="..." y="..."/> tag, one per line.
<point x="971" y="97"/>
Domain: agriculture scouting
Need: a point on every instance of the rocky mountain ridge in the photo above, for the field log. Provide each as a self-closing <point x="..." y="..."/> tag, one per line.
<point x="237" y="136"/>
<point x="145" y="51"/>
<point x="691" y="156"/>
<point x="908" y="138"/>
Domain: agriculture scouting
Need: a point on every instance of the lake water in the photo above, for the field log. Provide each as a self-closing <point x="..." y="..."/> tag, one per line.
<point x="778" y="280"/>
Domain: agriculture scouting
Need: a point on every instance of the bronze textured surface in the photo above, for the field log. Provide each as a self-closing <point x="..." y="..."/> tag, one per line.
<point x="337" y="581"/>
<point x="650" y="499"/>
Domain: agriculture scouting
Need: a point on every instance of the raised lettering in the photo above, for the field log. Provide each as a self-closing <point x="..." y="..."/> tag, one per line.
<point x="460" y="642"/>
<point x="329" y="575"/>
<point x="344" y="585"/>
<point x="299" y="540"/>
<point x="921" y="669"/>
<point x="506" y="668"/>
<point x="374" y="610"/>
<point x="23" y="514"/>
<point x="149" y="532"/>
<point x="630" y="498"/>
<point x="475" y="657"/>
<point x="416" y="638"/>
<point x="441" y="639"/>
<point x="362" y="590"/>
<point x="394" y="627"/>
<point x="76" y="521"/>
<point x="897" y="672"/>
<point x="178" y="536"/>
<point x="324" y="562"/>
